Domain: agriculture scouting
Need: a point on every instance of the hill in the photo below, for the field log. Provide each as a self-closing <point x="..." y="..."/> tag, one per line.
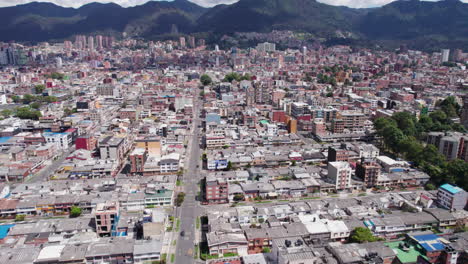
<point x="421" y="24"/>
<point x="45" y="21"/>
<point x="266" y="15"/>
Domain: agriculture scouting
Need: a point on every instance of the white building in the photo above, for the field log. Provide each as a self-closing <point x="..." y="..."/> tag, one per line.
<point x="169" y="163"/>
<point x="272" y="130"/>
<point x="452" y="197"/>
<point x="266" y="47"/>
<point x="340" y="172"/>
<point x="147" y="252"/>
<point x="445" y="55"/>
<point x="61" y="140"/>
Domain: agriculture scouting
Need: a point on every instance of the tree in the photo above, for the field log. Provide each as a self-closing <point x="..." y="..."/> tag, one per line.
<point x="35" y="105"/>
<point x="411" y="148"/>
<point x="6" y="113"/>
<point x="16" y="99"/>
<point x="39" y="89"/>
<point x="229" y="166"/>
<point x="405" y="122"/>
<point x="231" y="77"/>
<point x="239" y="197"/>
<point x="56" y="76"/>
<point x="20" y="217"/>
<point x="266" y="250"/>
<point x="361" y="235"/>
<point x="67" y="112"/>
<point x="430" y="187"/>
<point x="50" y="99"/>
<point x="449" y="106"/>
<point x="235" y="76"/>
<point x="75" y="211"/>
<point x="180" y="199"/>
<point x="27" y="98"/>
<point x="438" y="116"/>
<point x="456" y="172"/>
<point x="392" y="137"/>
<point x="205" y="79"/>
<point x="27" y="113"/>
<point x="382" y="122"/>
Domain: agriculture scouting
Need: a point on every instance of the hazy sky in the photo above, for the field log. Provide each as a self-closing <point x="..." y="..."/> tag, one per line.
<point x="207" y="3"/>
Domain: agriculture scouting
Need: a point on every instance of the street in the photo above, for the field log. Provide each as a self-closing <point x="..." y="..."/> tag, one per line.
<point x="190" y="209"/>
<point x="44" y="174"/>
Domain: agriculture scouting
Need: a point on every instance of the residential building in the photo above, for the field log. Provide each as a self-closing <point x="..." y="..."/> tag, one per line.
<point x="368" y="171"/>
<point x="340" y="173"/>
<point x="106" y="218"/>
<point x="216" y="190"/>
<point x="451" y="197"/>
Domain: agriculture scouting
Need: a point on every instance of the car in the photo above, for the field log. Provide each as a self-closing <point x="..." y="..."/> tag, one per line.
<point x="182" y="233"/>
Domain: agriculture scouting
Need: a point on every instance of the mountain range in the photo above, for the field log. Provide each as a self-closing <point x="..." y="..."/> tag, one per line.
<point x="419" y="23"/>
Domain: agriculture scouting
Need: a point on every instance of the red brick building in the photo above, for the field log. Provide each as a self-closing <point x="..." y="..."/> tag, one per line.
<point x="216" y="191"/>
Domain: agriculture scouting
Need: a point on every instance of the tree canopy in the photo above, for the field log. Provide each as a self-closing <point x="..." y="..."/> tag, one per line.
<point x="236" y="76"/>
<point x="401" y="134"/>
<point x="75" y="211"/>
<point x="361" y="235"/>
<point x="205" y="79"/>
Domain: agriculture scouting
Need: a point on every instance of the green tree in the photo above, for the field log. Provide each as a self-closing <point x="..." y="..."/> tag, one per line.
<point x="229" y="166"/>
<point x="180" y="199"/>
<point x="20" y="217"/>
<point x="456" y="172"/>
<point x="430" y="187"/>
<point x="16" y="99"/>
<point x="361" y="235"/>
<point x="438" y="116"/>
<point x="266" y="250"/>
<point x="205" y="79"/>
<point x="67" y="112"/>
<point x="424" y="124"/>
<point x="411" y="148"/>
<point x="27" y="113"/>
<point x="27" y="98"/>
<point x="239" y="197"/>
<point x="39" y="89"/>
<point x="75" y="211"/>
<point x="35" y="105"/>
<point x="449" y="106"/>
<point x="406" y="123"/>
<point x="392" y="137"/>
<point x="6" y="113"/>
<point x="50" y="99"/>
<point x="431" y="155"/>
<point x="231" y="77"/>
<point x="382" y="122"/>
<point x="56" y="76"/>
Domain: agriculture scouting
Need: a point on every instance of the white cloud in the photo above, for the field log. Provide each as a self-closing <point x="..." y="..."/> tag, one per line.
<point x="74" y="3"/>
<point x="210" y="3"/>
<point x="206" y="3"/>
<point x="357" y="3"/>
